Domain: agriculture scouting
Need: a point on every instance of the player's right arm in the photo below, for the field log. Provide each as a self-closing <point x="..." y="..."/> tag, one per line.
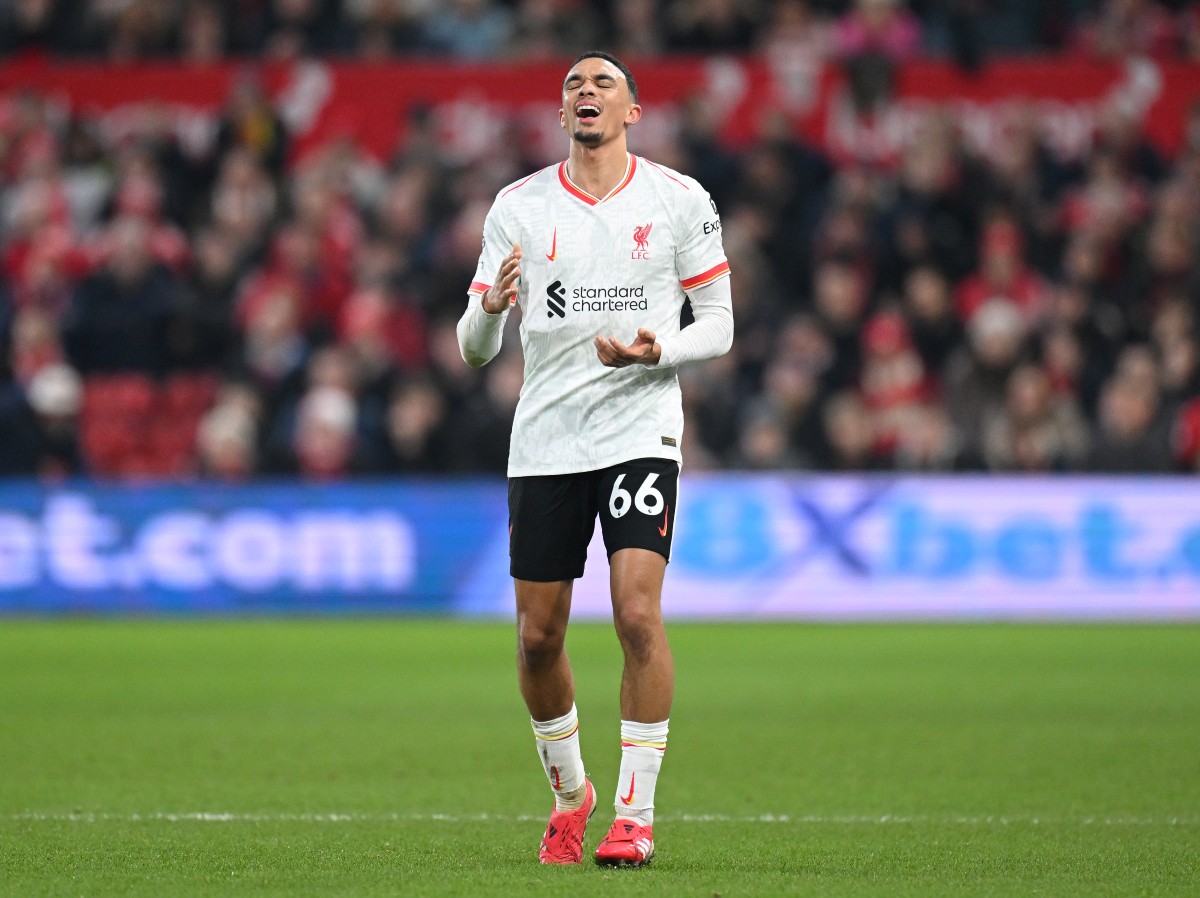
<point x="503" y="293"/>
<point x="481" y="328"/>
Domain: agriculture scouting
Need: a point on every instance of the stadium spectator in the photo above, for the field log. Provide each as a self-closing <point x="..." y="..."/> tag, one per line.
<point x="548" y="29"/>
<point x="417" y="439"/>
<point x="324" y="444"/>
<point x="975" y="381"/>
<point x="850" y="435"/>
<point x="713" y="26"/>
<point x="883" y="27"/>
<point x="931" y="444"/>
<point x="796" y="38"/>
<point x="119" y="316"/>
<point x="1121" y="28"/>
<point x="225" y="444"/>
<point x="30" y="28"/>
<point x="763" y="443"/>
<point x="894" y="384"/>
<point x="1002" y="274"/>
<point x="712" y="401"/>
<point x="781" y="428"/>
<point x="40" y="425"/>
<point x="201" y="332"/>
<point x="296" y="28"/>
<point x="840" y="295"/>
<point x="1129" y="436"/>
<point x="1186" y="437"/>
<point x="203" y="33"/>
<point x="251" y="123"/>
<point x="636" y="29"/>
<point x="34" y="342"/>
<point x="934" y="328"/>
<point x="470" y="29"/>
<point x="1174" y="339"/>
<point x="1037" y="429"/>
<point x="135" y="29"/>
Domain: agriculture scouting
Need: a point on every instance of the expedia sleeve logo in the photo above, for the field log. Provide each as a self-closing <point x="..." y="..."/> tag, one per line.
<point x="556" y="297"/>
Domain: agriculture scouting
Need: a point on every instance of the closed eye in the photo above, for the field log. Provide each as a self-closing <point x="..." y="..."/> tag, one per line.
<point x="606" y="82"/>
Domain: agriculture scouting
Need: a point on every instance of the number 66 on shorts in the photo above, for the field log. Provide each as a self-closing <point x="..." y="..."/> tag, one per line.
<point x="552" y="518"/>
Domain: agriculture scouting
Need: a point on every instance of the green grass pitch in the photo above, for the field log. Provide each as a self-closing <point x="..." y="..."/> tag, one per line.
<point x="393" y="757"/>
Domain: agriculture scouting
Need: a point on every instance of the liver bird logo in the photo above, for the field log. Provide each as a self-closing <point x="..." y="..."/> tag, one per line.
<point x="641" y="236"/>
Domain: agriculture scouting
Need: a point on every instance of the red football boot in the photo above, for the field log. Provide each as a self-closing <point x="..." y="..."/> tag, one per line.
<point x="563" y="842"/>
<point x="628" y="844"/>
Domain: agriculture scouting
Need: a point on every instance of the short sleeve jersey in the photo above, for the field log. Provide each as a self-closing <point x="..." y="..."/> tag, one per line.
<point x="599" y="267"/>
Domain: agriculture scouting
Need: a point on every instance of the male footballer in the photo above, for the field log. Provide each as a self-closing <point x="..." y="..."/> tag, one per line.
<point x="599" y="252"/>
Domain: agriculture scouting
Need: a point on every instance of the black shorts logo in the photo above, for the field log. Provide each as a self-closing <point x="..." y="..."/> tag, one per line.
<point x="556" y="296"/>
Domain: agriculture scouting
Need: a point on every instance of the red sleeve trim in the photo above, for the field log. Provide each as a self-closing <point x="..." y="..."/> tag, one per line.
<point x="479" y="287"/>
<point x="707" y="277"/>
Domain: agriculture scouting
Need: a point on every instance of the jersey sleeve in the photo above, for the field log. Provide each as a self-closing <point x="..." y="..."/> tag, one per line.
<point x="700" y="258"/>
<point x="480" y="334"/>
<point x="497" y="242"/>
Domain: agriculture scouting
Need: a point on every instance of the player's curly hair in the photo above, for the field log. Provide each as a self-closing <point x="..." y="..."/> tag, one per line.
<point x="608" y="57"/>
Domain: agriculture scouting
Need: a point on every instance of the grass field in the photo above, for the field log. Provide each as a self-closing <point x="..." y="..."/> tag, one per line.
<point x="393" y="757"/>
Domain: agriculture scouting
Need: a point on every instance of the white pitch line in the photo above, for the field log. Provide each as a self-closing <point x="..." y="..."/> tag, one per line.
<point x="793" y="819"/>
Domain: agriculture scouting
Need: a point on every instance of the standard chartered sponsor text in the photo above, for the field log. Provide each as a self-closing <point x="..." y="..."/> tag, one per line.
<point x="609" y="299"/>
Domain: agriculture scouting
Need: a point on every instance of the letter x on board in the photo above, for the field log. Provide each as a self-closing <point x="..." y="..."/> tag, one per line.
<point x="831" y="530"/>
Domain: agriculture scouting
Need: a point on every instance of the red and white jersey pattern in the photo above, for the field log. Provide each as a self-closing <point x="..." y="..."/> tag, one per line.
<point x="599" y="266"/>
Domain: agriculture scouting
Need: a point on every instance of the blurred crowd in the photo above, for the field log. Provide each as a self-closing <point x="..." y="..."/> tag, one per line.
<point x="205" y="30"/>
<point x="229" y="315"/>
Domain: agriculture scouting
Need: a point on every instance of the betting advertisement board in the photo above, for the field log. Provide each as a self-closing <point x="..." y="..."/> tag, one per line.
<point x="746" y="546"/>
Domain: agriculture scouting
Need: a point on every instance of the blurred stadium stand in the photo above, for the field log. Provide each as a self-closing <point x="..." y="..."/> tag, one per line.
<point x="235" y="237"/>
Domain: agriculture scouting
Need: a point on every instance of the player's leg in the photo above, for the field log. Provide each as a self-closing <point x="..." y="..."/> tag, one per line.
<point x="543" y="669"/>
<point x="638" y="536"/>
<point x="549" y="532"/>
<point x="648" y="679"/>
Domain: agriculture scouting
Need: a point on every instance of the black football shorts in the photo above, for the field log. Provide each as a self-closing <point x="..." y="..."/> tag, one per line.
<point x="551" y="518"/>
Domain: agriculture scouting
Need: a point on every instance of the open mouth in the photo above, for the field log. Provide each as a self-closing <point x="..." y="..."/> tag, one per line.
<point x="587" y="112"/>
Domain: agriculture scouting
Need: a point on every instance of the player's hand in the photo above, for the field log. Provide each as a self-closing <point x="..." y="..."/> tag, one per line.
<point x="499" y="296"/>
<point x="615" y="354"/>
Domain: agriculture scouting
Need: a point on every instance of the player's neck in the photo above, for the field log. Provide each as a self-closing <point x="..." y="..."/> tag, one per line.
<point x="598" y="170"/>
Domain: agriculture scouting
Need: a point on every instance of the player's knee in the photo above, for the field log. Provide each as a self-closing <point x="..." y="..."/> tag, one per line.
<point x="639" y="626"/>
<point x="539" y="645"/>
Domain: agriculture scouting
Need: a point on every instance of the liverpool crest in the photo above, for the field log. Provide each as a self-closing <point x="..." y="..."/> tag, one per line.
<point x="641" y="240"/>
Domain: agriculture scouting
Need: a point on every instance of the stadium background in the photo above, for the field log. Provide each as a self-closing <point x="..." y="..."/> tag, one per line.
<point x="235" y="239"/>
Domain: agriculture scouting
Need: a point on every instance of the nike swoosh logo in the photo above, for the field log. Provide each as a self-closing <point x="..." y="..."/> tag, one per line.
<point x="553" y="246"/>
<point x="628" y="799"/>
<point x="662" y="531"/>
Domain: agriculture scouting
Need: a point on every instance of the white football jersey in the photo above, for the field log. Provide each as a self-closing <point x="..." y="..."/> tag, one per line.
<point x="599" y="267"/>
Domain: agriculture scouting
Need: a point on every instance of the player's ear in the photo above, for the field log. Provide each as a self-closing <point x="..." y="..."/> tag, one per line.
<point x="562" y="118"/>
<point x="632" y="116"/>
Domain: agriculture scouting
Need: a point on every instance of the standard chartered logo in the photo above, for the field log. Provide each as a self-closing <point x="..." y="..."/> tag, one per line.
<point x="556" y="298"/>
<point x="79" y="548"/>
<point x="616" y="298"/>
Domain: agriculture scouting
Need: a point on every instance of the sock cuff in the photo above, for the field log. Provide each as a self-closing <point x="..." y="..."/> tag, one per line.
<point x="559" y="728"/>
<point x="646" y="735"/>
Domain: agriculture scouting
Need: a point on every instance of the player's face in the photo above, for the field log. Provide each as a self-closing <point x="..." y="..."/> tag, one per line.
<point x="596" y="103"/>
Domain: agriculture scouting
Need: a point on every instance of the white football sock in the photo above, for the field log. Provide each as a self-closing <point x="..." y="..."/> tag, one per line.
<point x="558" y="747"/>
<point x="642" y="749"/>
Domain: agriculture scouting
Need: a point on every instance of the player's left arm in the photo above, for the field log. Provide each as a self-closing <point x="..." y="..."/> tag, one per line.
<point x="710" y="335"/>
<point x="704" y="276"/>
